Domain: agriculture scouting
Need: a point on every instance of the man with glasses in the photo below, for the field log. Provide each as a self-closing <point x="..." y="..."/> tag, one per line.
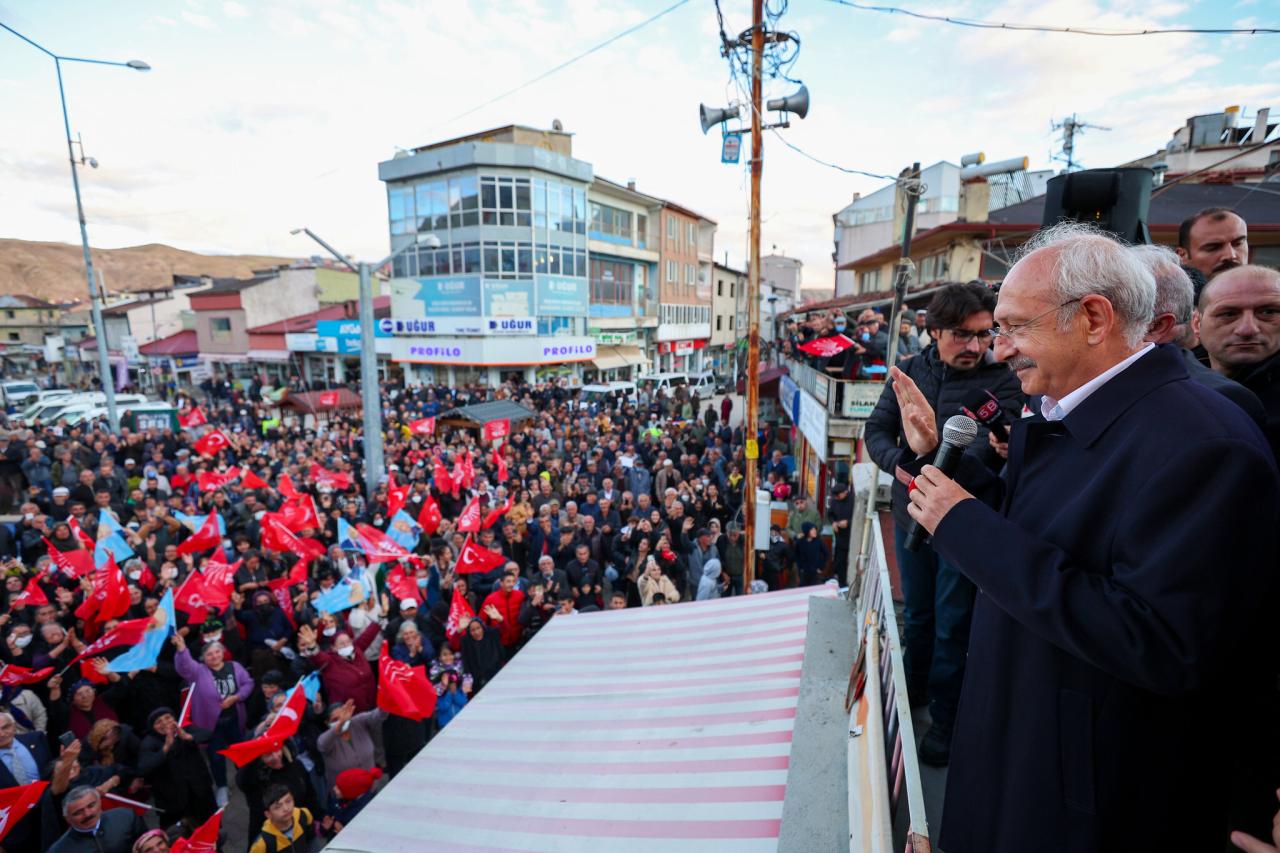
<point x="938" y="598"/>
<point x="1126" y="561"/>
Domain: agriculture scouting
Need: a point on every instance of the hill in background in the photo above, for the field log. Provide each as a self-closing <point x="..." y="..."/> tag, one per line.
<point x="55" y="271"/>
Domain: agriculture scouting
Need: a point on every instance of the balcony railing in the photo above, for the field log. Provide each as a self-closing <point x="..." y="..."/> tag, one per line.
<point x="842" y="398"/>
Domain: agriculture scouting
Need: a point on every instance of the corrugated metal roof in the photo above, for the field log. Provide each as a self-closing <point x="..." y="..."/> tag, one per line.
<point x="590" y="740"/>
<point x="496" y="410"/>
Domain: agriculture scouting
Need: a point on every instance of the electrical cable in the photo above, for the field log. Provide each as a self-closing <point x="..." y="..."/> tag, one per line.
<point x="1082" y="31"/>
<point x="563" y="65"/>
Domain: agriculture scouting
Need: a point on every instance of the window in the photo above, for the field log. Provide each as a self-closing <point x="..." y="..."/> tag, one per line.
<point x="464" y="202"/>
<point x="10" y="314"/>
<point x="690" y="236"/>
<point x="13" y="336"/>
<point x="869" y="282"/>
<point x="642" y="231"/>
<point x="719" y="287"/>
<point x="718" y="321"/>
<point x="672" y="272"/>
<point x="731" y="322"/>
<point x="688" y="275"/>
<point x="499" y="260"/>
<point x="672" y="230"/>
<point x="934" y="267"/>
<point x="731" y="288"/>
<point x="220" y="329"/>
<point x="505" y="201"/>
<point x="612" y="283"/>
<point x="400" y="209"/>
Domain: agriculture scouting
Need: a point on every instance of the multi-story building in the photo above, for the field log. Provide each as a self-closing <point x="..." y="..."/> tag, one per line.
<point x="26" y="320"/>
<point x="623" y="267"/>
<point x="687" y="243"/>
<point x="1224" y="147"/>
<point x="225" y="312"/>
<point x="729" y="290"/>
<point x="506" y="293"/>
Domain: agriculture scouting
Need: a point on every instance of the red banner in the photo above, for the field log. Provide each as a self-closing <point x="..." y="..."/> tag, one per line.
<point x="495" y="430"/>
<point x="826" y="347"/>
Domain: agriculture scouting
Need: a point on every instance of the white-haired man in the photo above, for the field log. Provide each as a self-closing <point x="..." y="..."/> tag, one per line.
<point x="1114" y="608"/>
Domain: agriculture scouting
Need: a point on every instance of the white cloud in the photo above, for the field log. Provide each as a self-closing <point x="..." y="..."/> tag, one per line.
<point x="195" y="19"/>
<point x="1271" y="67"/>
<point x="232" y="9"/>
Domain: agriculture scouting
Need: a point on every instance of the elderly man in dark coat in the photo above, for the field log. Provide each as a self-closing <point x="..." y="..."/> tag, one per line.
<point x="1124" y="564"/>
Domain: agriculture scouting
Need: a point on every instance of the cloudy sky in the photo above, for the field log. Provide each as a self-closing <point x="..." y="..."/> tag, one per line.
<point x="262" y="115"/>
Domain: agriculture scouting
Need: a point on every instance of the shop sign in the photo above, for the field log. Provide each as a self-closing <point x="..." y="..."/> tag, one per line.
<point x="438" y="296"/>
<point x="860" y="399"/>
<point x="558" y="296"/>
<point x="502" y="326"/>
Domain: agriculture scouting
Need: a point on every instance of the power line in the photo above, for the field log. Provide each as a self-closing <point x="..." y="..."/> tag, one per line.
<point x="1081" y="31"/>
<point x="563" y="65"/>
<point x="829" y="165"/>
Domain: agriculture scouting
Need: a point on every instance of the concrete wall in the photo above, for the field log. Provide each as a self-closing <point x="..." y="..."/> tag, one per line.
<point x="293" y="293"/>
<point x="335" y="285"/>
<point x="239" y="340"/>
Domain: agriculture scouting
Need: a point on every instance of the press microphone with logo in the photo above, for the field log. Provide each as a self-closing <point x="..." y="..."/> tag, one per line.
<point x="957" y="434"/>
<point x="984" y="408"/>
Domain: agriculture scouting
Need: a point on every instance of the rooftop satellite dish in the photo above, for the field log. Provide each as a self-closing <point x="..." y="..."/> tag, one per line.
<point x="557" y="126"/>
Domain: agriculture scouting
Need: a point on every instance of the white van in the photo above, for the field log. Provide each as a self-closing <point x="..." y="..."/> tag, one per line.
<point x="18" y="392"/>
<point x="598" y="393"/>
<point x="702" y="384"/>
<point x="667" y="382"/>
<point x="73" y="413"/>
<point x="48" y="410"/>
<point x="79" y="417"/>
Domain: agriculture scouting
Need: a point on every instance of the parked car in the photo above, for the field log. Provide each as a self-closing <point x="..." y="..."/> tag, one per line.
<point x="17" y="392"/>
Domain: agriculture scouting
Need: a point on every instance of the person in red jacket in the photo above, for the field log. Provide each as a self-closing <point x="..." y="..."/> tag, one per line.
<point x="345" y="671"/>
<point x="501" y="609"/>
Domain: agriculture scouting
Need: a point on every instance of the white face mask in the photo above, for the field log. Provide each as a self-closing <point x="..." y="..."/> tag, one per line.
<point x="168" y="573"/>
<point x="347" y="651"/>
<point x="214" y="638"/>
<point x="23" y="641"/>
<point x="329" y="632"/>
<point x="134" y="575"/>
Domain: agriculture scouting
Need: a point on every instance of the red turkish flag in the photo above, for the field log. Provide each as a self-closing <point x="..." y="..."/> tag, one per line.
<point x="250" y="480"/>
<point x="285" y="486"/>
<point x="496" y="513"/>
<point x="500" y="463"/>
<point x="211" y="442"/>
<point x="13" y="675"/>
<point x="378" y="546"/>
<point x="211" y="481"/>
<point x="300" y="514"/>
<point x="396" y="497"/>
<point x="208" y="536"/>
<point x="469" y="520"/>
<point x="429" y="516"/>
<point x="401" y="586"/>
<point x="190" y="599"/>
<point x="329" y="399"/>
<point x="336" y="479"/>
<point x="276" y="536"/>
<point x="85" y="539"/>
<point x="219" y="578"/>
<point x="115" y="801"/>
<point x="443" y="479"/>
<point x="109" y="597"/>
<point x="284" y="726"/>
<point x="495" y="430"/>
<point x="459" y="610"/>
<point x="423" y="426"/>
<point x="404" y="690"/>
<point x="193" y="416"/>
<point x="33" y="595"/>
<point x="16" y="802"/>
<point x="826" y="347"/>
<point x="204" y="839"/>
<point x="476" y="560"/>
<point x="74" y="564"/>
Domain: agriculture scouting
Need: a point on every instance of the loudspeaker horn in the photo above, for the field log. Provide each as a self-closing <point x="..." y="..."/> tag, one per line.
<point x="711" y="116"/>
<point x="796" y="104"/>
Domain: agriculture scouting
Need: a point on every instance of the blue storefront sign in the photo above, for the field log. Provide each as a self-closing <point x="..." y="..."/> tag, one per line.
<point x="345" y="335"/>
<point x="789" y="398"/>
<point x="508" y="298"/>
<point x="444" y="296"/>
<point x="558" y="296"/>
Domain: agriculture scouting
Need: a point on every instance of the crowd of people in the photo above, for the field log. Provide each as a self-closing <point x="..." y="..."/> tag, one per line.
<point x="585" y="506"/>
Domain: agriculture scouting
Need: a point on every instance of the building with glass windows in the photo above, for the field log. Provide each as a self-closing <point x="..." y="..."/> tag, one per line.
<point x="623" y="266"/>
<point x="506" y="293"/>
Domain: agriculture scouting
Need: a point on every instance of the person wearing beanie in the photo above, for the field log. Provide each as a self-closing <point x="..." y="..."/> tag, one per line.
<point x="172" y="763"/>
<point x="352" y="792"/>
<point x="811" y="554"/>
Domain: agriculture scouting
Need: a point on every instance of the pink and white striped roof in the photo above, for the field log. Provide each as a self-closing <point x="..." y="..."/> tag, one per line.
<point x="662" y="728"/>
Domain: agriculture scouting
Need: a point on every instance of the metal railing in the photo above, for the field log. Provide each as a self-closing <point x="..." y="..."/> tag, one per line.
<point x="842" y="398"/>
<point x="882" y="761"/>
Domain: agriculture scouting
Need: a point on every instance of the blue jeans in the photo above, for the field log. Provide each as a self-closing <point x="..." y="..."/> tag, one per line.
<point x="938" y="604"/>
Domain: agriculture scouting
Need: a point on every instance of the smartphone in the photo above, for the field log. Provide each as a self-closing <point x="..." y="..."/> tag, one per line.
<point x="466" y="683"/>
<point x="67" y="738"/>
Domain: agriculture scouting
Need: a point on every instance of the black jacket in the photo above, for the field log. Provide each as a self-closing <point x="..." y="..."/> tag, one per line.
<point x="946" y="389"/>
<point x="1264" y="381"/>
<point x="1125" y="564"/>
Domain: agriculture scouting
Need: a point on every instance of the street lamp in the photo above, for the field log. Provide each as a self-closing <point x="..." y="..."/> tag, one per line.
<point x="370" y="398"/>
<point x="95" y="304"/>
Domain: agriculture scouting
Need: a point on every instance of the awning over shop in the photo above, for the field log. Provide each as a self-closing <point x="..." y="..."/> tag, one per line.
<point x="320" y="401"/>
<point x="269" y="355"/>
<point x="483" y="413"/>
<point x="182" y="343"/>
<point x="622" y="355"/>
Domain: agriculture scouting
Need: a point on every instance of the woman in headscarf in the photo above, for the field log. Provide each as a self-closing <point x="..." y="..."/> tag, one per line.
<point x="481" y="653"/>
<point x="79" y="711"/>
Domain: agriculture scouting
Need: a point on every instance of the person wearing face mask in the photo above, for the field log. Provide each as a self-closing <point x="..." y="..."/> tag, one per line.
<point x="344" y="670"/>
<point x="17" y="650"/>
<point x="219" y="689"/>
<point x="267" y="631"/>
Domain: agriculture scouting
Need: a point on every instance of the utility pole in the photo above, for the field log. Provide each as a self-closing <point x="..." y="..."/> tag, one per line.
<point x="750" y="429"/>
<point x="909" y="180"/>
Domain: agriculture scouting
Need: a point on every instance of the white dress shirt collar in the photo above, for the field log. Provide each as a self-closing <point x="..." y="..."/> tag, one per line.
<point x="1056" y="410"/>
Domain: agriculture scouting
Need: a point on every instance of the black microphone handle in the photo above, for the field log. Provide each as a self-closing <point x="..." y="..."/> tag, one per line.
<point x="947" y="460"/>
<point x="999" y="427"/>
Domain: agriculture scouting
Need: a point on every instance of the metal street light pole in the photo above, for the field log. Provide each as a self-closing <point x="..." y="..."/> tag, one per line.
<point x="95" y="303"/>
<point x="370" y="391"/>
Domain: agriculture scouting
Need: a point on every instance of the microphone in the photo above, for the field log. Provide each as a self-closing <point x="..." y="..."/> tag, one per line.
<point x="984" y="408"/>
<point x="957" y="433"/>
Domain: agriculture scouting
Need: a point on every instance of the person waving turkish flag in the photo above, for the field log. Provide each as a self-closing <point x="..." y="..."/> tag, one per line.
<point x="476" y="560"/>
<point x="211" y="443"/>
